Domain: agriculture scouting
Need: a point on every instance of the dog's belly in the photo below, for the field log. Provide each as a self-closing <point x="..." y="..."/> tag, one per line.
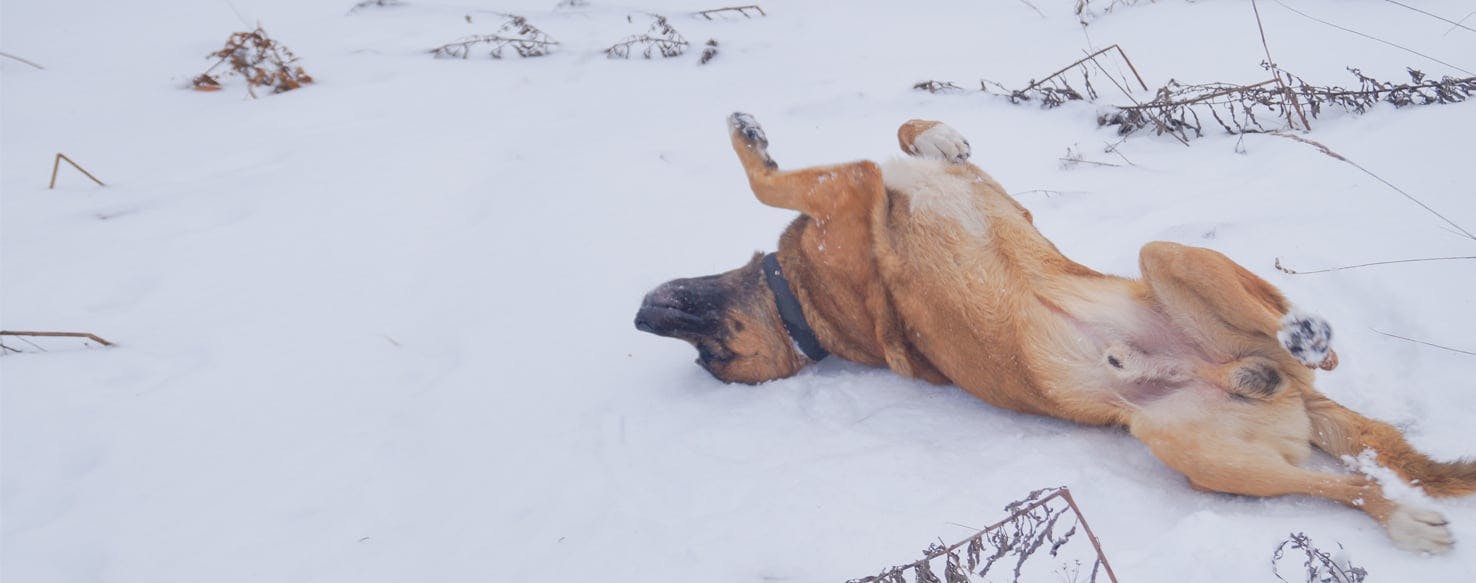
<point x="1103" y="350"/>
<point x="998" y="310"/>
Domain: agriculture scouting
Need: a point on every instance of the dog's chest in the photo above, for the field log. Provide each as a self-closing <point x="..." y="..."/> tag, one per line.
<point x="935" y="193"/>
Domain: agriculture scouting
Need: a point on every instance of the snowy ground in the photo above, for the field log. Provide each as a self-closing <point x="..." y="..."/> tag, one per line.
<point x="380" y="329"/>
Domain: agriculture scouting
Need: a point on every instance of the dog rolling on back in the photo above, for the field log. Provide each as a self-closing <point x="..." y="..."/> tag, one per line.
<point x="926" y="266"/>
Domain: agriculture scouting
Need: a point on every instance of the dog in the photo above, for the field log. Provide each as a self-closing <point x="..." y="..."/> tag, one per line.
<point x="925" y="265"/>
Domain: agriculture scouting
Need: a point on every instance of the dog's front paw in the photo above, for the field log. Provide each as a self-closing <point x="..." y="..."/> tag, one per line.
<point x="1419" y="530"/>
<point x="1309" y="338"/>
<point x="743" y="124"/>
<point x="941" y="142"/>
<point x="745" y="129"/>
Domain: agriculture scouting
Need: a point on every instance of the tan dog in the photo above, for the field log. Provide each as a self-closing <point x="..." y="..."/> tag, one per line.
<point x="925" y="265"/>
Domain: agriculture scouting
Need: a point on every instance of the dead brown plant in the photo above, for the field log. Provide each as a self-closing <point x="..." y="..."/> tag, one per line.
<point x="257" y="58"/>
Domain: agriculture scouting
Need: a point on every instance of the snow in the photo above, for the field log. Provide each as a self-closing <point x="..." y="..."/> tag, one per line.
<point x="379" y="329"/>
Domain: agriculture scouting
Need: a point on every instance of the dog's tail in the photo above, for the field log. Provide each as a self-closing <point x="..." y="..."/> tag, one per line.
<point x="1341" y="431"/>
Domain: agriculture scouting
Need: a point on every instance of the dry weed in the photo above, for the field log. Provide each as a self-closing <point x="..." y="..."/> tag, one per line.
<point x="525" y="39"/>
<point x="747" y="11"/>
<point x="660" y="39"/>
<point x="257" y="58"/>
<point x="1320" y="567"/>
<point x="1035" y="524"/>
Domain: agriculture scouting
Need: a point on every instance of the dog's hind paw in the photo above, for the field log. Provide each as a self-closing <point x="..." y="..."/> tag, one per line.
<point x="1419" y="530"/>
<point x="941" y="142"/>
<point x="1309" y="338"/>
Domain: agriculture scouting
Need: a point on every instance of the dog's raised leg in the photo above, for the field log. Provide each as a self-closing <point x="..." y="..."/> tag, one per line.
<point x="820" y="192"/>
<point x="1229" y="311"/>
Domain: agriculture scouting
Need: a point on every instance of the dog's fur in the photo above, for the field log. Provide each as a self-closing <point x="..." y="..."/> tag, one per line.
<point x="925" y="265"/>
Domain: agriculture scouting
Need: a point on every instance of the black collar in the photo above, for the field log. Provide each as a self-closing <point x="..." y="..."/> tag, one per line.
<point x="790" y="312"/>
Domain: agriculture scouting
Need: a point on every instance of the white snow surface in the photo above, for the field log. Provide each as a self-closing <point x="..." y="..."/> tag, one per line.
<point x="379" y="329"/>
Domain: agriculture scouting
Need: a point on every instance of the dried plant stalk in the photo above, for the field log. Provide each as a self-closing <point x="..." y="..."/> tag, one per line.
<point x="56" y="165"/>
<point x="1035" y="524"/>
<point x="258" y="59"/>
<point x="1320" y="566"/>
<point x="87" y="335"/>
<point x="1269" y="106"/>
<point x="661" y="39"/>
<point x="747" y="11"/>
<point x="524" y="39"/>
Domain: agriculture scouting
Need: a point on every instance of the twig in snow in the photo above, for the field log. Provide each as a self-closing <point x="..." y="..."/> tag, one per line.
<point x="937" y="87"/>
<point x="739" y="10"/>
<point x="88" y="335"/>
<point x="1073" y="157"/>
<point x="56" y="165"/>
<point x="1328" y="151"/>
<point x="1290" y="271"/>
<point x="1456" y="350"/>
<point x="1371" y="37"/>
<point x="10" y="56"/>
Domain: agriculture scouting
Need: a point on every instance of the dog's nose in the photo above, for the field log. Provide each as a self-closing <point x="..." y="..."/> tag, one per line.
<point x="662" y="313"/>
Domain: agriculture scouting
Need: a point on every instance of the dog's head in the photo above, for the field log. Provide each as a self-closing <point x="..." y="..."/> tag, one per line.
<point x="730" y="318"/>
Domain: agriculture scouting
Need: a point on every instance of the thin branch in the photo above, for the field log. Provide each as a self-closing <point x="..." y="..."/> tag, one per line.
<point x="10" y="56"/>
<point x="56" y="165"/>
<point x="1033" y="7"/>
<point x="741" y="10"/>
<point x="1276" y="71"/>
<point x="1456" y="350"/>
<point x="1459" y="24"/>
<point x="1083" y="161"/>
<point x="87" y="335"/>
<point x="1328" y="151"/>
<point x="1288" y="270"/>
<point x="1371" y="37"/>
<point x="1435" y="16"/>
<point x="1080" y="517"/>
<point x="1083" y="60"/>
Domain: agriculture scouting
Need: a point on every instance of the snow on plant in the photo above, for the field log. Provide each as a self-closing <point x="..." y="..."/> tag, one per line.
<point x="660" y="39"/>
<point x="517" y="33"/>
<point x="1320" y="566"/>
<point x="257" y="58"/>
<point x="1283" y="102"/>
